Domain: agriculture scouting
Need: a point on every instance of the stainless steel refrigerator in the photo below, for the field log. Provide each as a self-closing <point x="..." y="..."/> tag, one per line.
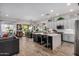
<point x="76" y="46"/>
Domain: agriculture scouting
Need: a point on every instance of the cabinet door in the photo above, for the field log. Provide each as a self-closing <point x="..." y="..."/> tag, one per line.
<point x="65" y="37"/>
<point x="68" y="37"/>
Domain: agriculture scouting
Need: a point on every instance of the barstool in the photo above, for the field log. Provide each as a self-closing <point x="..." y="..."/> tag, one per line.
<point x="39" y="38"/>
<point x="44" y="40"/>
<point x="49" y="42"/>
<point x="34" y="37"/>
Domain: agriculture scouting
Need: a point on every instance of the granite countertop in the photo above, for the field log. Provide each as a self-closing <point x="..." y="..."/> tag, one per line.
<point x="52" y="34"/>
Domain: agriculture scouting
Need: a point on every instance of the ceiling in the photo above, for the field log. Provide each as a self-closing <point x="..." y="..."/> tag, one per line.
<point x="33" y="11"/>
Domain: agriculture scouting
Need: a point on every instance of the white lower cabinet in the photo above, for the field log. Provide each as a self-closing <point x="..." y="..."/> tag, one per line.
<point x="69" y="37"/>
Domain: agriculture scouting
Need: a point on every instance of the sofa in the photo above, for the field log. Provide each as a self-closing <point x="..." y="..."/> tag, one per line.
<point x="9" y="46"/>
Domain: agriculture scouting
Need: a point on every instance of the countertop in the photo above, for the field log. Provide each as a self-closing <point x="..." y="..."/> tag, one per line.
<point x="52" y="34"/>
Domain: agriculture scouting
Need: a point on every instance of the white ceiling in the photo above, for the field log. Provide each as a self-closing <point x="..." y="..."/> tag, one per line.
<point x="33" y="11"/>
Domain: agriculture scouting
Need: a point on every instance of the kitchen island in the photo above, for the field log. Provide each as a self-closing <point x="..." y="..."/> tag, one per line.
<point x="49" y="40"/>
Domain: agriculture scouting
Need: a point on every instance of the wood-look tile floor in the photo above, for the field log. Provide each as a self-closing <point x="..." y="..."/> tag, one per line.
<point x="30" y="48"/>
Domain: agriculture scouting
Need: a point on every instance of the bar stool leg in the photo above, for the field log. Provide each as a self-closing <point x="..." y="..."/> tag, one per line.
<point x="47" y="41"/>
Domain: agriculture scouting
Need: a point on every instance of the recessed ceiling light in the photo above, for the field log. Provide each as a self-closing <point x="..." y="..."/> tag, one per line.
<point x="71" y="10"/>
<point x="68" y="4"/>
<point x="51" y="10"/>
<point x="42" y="14"/>
<point x="6" y="15"/>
